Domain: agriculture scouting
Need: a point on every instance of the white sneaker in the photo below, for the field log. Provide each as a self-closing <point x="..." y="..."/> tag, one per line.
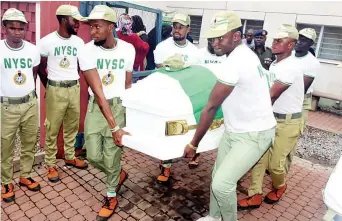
<point x="209" y="218"/>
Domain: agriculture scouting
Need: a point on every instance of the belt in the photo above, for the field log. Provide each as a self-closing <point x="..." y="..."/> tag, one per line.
<point x="64" y="84"/>
<point x="110" y="101"/>
<point x="293" y="116"/>
<point x="19" y="100"/>
<point x="309" y="95"/>
<point x="180" y="127"/>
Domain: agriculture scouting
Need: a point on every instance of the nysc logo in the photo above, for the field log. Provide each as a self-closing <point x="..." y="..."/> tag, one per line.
<point x="19" y="78"/>
<point x="64" y="63"/>
<point x="108" y="79"/>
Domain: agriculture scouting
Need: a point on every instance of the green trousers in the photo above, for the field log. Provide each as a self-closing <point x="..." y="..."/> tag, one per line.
<point x="102" y="152"/>
<point x="287" y="133"/>
<point x="237" y="153"/>
<point x="306" y="109"/>
<point x="25" y="118"/>
<point x="62" y="107"/>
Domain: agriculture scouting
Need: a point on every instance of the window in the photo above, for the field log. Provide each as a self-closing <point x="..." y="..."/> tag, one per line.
<point x="252" y="24"/>
<point x="195" y="31"/>
<point x="328" y="44"/>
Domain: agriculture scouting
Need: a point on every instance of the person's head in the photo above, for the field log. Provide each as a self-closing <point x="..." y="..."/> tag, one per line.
<point x="260" y="38"/>
<point x="249" y="35"/>
<point x="125" y="24"/>
<point x="101" y="20"/>
<point x="285" y="39"/>
<point x="138" y="24"/>
<point x="166" y="31"/>
<point x="225" y="32"/>
<point x="307" y="37"/>
<point x="69" y="18"/>
<point x="180" y="27"/>
<point x="14" y="23"/>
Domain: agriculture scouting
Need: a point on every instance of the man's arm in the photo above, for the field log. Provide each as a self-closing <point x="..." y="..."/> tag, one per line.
<point x="129" y="79"/>
<point x="93" y="80"/>
<point x="42" y="71"/>
<point x="276" y="90"/>
<point x="307" y="83"/>
<point x="219" y="93"/>
<point x="35" y="70"/>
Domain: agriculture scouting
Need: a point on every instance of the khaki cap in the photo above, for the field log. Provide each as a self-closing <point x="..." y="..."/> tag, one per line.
<point x="175" y="63"/>
<point x="167" y="16"/>
<point x="13" y="14"/>
<point x="286" y="31"/>
<point x="181" y="19"/>
<point x="339" y="66"/>
<point x="102" y="12"/>
<point x="310" y="33"/>
<point x="70" y="10"/>
<point x="223" y="22"/>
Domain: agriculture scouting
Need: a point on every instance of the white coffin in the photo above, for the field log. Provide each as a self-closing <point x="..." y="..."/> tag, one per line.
<point x="150" y="103"/>
<point x="332" y="195"/>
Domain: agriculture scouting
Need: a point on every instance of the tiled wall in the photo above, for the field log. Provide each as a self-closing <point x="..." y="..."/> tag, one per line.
<point x="29" y="9"/>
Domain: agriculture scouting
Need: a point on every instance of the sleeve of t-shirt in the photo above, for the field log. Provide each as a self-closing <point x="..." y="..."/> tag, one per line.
<point x="85" y="59"/>
<point x="36" y="57"/>
<point x="158" y="54"/>
<point x="43" y="47"/>
<point x="131" y="57"/>
<point x="228" y="72"/>
<point x="286" y="75"/>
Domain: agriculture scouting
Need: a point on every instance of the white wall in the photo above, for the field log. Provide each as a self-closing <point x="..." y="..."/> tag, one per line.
<point x="273" y="13"/>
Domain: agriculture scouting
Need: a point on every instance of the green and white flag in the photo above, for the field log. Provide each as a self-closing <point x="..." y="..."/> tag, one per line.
<point x="197" y="82"/>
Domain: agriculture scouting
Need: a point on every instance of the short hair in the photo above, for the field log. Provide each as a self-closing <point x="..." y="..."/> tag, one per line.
<point x="5" y="22"/>
<point x="60" y="17"/>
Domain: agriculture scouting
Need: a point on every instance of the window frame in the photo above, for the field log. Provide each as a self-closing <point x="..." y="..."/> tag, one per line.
<point x="195" y="40"/>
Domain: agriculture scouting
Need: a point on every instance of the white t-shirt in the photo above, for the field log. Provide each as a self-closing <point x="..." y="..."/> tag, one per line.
<point x="16" y="69"/>
<point x="112" y="65"/>
<point x="248" y="108"/>
<point x="169" y="47"/>
<point x="207" y="58"/>
<point x="288" y="72"/>
<point x="309" y="65"/>
<point x="62" y="54"/>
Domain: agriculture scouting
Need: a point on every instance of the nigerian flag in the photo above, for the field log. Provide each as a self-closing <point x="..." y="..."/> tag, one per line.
<point x="197" y="82"/>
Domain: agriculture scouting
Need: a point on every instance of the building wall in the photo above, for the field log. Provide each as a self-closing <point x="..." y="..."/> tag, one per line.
<point x="273" y="14"/>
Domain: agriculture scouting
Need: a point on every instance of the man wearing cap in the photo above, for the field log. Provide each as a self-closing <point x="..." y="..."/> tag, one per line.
<point x="264" y="53"/>
<point x="309" y="66"/>
<point x="105" y="49"/>
<point x="19" y="61"/>
<point x="287" y="95"/>
<point x="59" y="51"/>
<point x="249" y="131"/>
<point x="178" y="44"/>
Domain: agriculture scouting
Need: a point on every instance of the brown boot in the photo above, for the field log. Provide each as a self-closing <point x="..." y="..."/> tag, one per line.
<point x="29" y="183"/>
<point x="123" y="177"/>
<point x="252" y="202"/>
<point x="164" y="176"/>
<point x="79" y="164"/>
<point x="107" y="209"/>
<point x="275" y="195"/>
<point x="7" y="193"/>
<point x="53" y="175"/>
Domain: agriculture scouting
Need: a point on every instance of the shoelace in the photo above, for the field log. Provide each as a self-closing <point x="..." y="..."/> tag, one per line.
<point x="31" y="180"/>
<point x="106" y="202"/>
